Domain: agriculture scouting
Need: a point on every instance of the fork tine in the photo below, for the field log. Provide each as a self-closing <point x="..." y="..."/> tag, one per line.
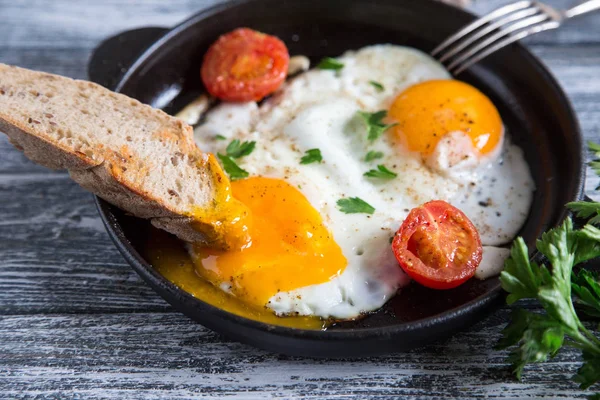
<point x="479" y="22"/>
<point x="510" y="39"/>
<point x="470" y="39"/>
<point x="525" y="23"/>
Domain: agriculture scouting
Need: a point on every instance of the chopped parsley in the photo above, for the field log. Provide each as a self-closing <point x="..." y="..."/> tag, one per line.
<point x="233" y="170"/>
<point x="220" y="137"/>
<point x="237" y="149"/>
<point x="375" y="126"/>
<point x="373" y="155"/>
<point x="354" y="205"/>
<point x="378" y="86"/>
<point x="381" y="173"/>
<point x="330" y="63"/>
<point x="311" y="156"/>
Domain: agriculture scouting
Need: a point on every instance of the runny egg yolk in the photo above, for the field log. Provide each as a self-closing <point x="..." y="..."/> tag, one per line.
<point x="427" y="111"/>
<point x="290" y="247"/>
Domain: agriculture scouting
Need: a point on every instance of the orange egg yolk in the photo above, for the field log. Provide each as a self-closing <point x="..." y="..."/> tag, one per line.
<point x="427" y="111"/>
<point x="289" y="247"/>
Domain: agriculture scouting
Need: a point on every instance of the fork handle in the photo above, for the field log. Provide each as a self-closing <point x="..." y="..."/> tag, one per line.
<point x="583" y="8"/>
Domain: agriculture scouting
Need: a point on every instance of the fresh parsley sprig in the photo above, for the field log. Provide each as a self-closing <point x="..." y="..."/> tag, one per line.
<point x="237" y="149"/>
<point x="540" y="336"/>
<point x="586" y="209"/>
<point x="230" y="166"/>
<point x="330" y="63"/>
<point x="378" y="86"/>
<point x="355" y="205"/>
<point x="375" y="125"/>
<point x="558" y="289"/>
<point x="595" y="163"/>
<point x="311" y="156"/>
<point x="586" y="287"/>
<point x="373" y="155"/>
<point x="381" y="173"/>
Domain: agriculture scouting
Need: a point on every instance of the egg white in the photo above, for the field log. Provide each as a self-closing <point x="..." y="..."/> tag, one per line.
<point x="318" y="110"/>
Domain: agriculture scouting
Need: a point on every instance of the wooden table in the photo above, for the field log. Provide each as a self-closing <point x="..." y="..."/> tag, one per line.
<point x="77" y="322"/>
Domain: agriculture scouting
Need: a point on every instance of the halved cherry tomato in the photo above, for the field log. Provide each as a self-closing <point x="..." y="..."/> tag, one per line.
<point x="244" y="65"/>
<point x="438" y="246"/>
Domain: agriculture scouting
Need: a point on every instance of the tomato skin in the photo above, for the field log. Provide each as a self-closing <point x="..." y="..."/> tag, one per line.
<point x="438" y="246"/>
<point x="244" y="65"/>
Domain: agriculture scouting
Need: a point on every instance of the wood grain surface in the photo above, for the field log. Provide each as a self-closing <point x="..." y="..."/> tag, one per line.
<point x="77" y="322"/>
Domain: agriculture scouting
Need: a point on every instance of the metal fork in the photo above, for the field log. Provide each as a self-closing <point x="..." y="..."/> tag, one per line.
<point x="500" y="28"/>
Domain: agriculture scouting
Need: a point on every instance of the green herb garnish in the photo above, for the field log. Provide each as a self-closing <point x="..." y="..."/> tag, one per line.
<point x="586" y="209"/>
<point x="381" y="173"/>
<point x="375" y="126"/>
<point x="595" y="163"/>
<point x="373" y="155"/>
<point x="354" y="205"/>
<point x="539" y="336"/>
<point x="237" y="149"/>
<point x="330" y="63"/>
<point x="586" y="287"/>
<point x="233" y="170"/>
<point x="220" y="137"/>
<point x="558" y="289"/>
<point x="378" y="86"/>
<point x="311" y="156"/>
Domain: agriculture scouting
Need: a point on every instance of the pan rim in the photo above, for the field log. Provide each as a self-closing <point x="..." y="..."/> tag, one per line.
<point x="148" y="273"/>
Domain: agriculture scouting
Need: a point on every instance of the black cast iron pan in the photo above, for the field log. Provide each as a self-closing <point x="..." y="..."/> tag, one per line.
<point x="160" y="67"/>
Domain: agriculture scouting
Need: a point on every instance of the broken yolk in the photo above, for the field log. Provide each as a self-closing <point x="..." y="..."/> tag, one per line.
<point x="427" y="111"/>
<point x="289" y="245"/>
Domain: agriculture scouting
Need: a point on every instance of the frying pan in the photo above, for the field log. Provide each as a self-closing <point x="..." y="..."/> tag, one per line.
<point x="160" y="67"/>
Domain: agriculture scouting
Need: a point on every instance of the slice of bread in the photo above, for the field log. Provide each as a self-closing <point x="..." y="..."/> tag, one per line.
<point x="133" y="156"/>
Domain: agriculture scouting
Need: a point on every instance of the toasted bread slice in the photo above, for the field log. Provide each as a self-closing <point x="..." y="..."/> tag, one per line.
<point x="133" y="156"/>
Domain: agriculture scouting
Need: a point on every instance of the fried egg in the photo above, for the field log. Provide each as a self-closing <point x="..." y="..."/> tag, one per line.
<point x="307" y="257"/>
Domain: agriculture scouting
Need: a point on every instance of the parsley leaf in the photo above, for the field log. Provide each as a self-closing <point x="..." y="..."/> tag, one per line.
<point x="375" y="126"/>
<point x="220" y="137"/>
<point x="589" y="372"/>
<point x="378" y="86"/>
<point x="587" y="289"/>
<point x="354" y="205"/>
<point x="373" y="155"/>
<point x="381" y="172"/>
<point x="595" y="147"/>
<point x="233" y="170"/>
<point x="595" y="163"/>
<point x="586" y="209"/>
<point x="311" y="156"/>
<point x="558" y="289"/>
<point x="330" y="63"/>
<point x="540" y="336"/>
<point x="237" y="149"/>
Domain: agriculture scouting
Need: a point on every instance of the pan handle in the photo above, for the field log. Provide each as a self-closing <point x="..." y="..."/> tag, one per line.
<point x="111" y="58"/>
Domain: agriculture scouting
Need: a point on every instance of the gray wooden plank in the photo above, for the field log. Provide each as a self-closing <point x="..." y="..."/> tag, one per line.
<point x="55" y="255"/>
<point x="71" y="62"/>
<point x="159" y="356"/>
<point x="54" y="258"/>
<point x="68" y="24"/>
